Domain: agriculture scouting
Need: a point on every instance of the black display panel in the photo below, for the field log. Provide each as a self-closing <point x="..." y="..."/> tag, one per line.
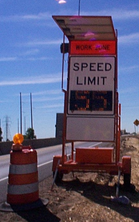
<point x="90" y="100"/>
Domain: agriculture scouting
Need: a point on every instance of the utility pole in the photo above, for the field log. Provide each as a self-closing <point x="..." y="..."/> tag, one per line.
<point x="79" y="7"/>
<point x="31" y="110"/>
<point x="0" y="131"/>
<point x="24" y="125"/>
<point x="18" y="125"/>
<point x="20" y="113"/>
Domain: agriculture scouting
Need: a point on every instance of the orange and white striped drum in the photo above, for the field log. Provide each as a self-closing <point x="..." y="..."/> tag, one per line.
<point x="23" y="177"/>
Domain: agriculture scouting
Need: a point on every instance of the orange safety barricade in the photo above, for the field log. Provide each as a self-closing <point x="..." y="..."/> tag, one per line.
<point x="23" y="177"/>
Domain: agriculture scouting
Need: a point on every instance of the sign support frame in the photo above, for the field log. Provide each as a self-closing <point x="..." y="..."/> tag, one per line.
<point x="112" y="165"/>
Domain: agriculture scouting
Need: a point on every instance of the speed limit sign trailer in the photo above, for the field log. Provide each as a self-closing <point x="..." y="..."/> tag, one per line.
<point x="91" y="108"/>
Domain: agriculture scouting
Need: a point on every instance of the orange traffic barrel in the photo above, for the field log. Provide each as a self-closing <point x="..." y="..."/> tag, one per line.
<point x="23" y="177"/>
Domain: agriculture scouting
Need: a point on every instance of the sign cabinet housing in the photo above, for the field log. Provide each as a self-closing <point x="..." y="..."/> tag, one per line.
<point x="92" y="77"/>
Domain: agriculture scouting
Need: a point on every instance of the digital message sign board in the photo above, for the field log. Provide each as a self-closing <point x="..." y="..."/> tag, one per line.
<point x="91" y="85"/>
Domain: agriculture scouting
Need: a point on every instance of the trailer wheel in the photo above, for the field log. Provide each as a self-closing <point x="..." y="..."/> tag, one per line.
<point x="127" y="179"/>
<point x="59" y="177"/>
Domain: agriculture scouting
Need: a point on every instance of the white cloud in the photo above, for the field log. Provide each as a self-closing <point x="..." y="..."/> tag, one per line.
<point x="129" y="90"/>
<point x="47" y="99"/>
<point x="44" y="79"/>
<point x="128" y="69"/>
<point x="117" y="14"/>
<point x="125" y="14"/>
<point x="20" y="58"/>
<point x="26" y="17"/>
<point x="51" y="106"/>
<point x="131" y="38"/>
<point x="43" y="42"/>
<point x="31" y="52"/>
<point x="38" y="58"/>
<point x="8" y="59"/>
<point x="39" y="16"/>
<point x="52" y="92"/>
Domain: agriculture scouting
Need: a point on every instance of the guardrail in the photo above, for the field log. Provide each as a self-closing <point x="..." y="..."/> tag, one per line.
<point x="5" y="147"/>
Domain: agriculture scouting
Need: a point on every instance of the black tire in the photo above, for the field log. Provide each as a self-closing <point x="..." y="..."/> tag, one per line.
<point x="127" y="180"/>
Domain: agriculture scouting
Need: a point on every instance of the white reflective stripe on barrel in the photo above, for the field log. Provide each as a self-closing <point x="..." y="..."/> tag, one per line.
<point x="23" y="169"/>
<point x="23" y="189"/>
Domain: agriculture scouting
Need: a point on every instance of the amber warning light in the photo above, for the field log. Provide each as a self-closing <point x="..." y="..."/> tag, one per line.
<point x="17" y="139"/>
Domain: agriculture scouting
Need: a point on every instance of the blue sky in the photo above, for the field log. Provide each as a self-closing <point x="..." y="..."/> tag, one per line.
<point x="30" y="60"/>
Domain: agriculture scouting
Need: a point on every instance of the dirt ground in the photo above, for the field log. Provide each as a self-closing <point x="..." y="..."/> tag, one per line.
<point x="86" y="197"/>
